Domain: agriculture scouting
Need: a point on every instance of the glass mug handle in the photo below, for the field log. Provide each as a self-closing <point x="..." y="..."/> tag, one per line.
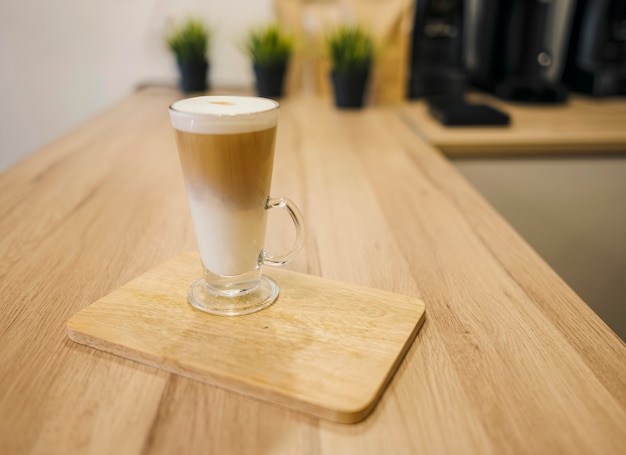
<point x="296" y="217"/>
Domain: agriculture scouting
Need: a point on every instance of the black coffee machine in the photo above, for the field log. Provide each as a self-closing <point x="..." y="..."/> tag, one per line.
<point x="596" y="59"/>
<point x="437" y="71"/>
<point x="436" y="67"/>
<point x="516" y="46"/>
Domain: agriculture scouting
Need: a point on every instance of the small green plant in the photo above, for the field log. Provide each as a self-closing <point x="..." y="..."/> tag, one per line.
<point x="268" y="46"/>
<point x="350" y="48"/>
<point x="189" y="41"/>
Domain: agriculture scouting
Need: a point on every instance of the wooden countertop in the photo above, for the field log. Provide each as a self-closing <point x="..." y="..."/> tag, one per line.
<point x="581" y="125"/>
<point x="509" y="359"/>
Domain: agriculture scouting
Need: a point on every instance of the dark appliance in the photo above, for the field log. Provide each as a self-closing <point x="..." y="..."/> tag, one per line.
<point x="596" y="59"/>
<point x="514" y="54"/>
<point x="436" y="69"/>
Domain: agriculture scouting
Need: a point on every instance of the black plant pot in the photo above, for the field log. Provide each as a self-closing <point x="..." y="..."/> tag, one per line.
<point x="193" y="76"/>
<point x="270" y="80"/>
<point x="349" y="88"/>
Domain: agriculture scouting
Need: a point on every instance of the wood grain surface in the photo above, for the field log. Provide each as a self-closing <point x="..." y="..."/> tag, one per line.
<point x="509" y="360"/>
<point x="326" y="348"/>
<point x="580" y="126"/>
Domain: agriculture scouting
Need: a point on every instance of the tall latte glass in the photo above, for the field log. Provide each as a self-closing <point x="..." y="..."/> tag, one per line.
<point x="226" y="150"/>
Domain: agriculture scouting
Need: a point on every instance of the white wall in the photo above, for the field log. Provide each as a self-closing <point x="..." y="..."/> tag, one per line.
<point x="62" y="61"/>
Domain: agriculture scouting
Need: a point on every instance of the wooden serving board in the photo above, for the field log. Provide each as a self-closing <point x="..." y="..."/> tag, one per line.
<point x="324" y="347"/>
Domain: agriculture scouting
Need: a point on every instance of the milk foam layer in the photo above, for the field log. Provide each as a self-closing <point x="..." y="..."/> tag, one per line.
<point x="223" y="114"/>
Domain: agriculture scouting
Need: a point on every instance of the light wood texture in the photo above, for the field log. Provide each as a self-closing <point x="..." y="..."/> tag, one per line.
<point x="509" y="359"/>
<point x="582" y="125"/>
<point x="324" y="347"/>
<point x="389" y="23"/>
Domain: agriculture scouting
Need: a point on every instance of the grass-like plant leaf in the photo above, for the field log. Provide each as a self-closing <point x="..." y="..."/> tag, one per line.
<point x="350" y="48"/>
<point x="268" y="46"/>
<point x="189" y="41"/>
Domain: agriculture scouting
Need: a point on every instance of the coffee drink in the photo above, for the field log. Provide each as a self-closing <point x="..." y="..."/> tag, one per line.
<point x="228" y="173"/>
<point x="226" y="149"/>
<point x="228" y="178"/>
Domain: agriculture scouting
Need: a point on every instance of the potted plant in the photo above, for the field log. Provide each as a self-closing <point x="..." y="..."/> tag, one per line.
<point x="351" y="52"/>
<point x="189" y="41"/>
<point x="270" y="50"/>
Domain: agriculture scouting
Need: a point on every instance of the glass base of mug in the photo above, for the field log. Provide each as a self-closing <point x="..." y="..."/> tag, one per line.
<point x="201" y="297"/>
